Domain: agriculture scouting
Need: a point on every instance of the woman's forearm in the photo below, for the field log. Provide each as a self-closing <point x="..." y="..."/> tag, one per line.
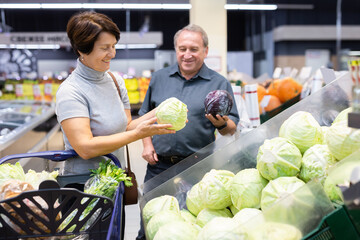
<point x="132" y="125"/>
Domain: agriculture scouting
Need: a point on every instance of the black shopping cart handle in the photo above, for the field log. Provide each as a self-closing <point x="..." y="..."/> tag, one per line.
<point x="56" y="156"/>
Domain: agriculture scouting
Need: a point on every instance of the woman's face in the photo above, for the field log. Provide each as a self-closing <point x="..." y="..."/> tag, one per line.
<point x="102" y="53"/>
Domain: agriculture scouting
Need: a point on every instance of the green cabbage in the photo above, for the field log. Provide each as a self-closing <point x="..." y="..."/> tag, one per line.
<point x="278" y="189"/>
<point x="155" y="205"/>
<point x="214" y="188"/>
<point x="224" y="229"/>
<point x="159" y="219"/>
<point x="177" y="230"/>
<point x="233" y="209"/>
<point x="316" y="162"/>
<point x="207" y="214"/>
<point x="278" y="157"/>
<point x="172" y="111"/>
<point x="187" y="216"/>
<point x="194" y="201"/>
<point x="11" y="171"/>
<point x="246" y="214"/>
<point x="246" y="187"/>
<point x="302" y="129"/>
<point x="35" y="178"/>
<point x="343" y="115"/>
<point x="342" y="140"/>
<point x="277" y="231"/>
<point x="332" y="191"/>
<point x="324" y="130"/>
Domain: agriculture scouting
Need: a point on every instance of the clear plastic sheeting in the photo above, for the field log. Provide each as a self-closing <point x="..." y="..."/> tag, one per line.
<point x="241" y="153"/>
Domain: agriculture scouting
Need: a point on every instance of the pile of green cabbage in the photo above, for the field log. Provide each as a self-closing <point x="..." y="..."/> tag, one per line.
<point x="172" y="111"/>
<point x="271" y="201"/>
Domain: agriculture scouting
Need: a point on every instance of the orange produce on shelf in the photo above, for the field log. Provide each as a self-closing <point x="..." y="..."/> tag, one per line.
<point x="261" y="92"/>
<point x="288" y="89"/>
<point x="269" y="102"/>
<point x="273" y="87"/>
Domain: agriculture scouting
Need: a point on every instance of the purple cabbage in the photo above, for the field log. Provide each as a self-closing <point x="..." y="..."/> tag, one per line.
<point x="218" y="102"/>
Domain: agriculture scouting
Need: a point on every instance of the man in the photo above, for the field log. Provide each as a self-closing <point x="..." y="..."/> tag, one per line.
<point x="190" y="80"/>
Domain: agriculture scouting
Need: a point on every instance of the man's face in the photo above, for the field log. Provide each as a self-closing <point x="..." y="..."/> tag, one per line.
<point x="190" y="53"/>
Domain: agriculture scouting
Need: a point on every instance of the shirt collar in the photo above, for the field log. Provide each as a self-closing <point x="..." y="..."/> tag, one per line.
<point x="204" y="72"/>
<point x="88" y="73"/>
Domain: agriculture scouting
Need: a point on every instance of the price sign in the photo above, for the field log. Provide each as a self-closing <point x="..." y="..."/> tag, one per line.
<point x="19" y="92"/>
<point x="36" y="90"/>
<point x="48" y="89"/>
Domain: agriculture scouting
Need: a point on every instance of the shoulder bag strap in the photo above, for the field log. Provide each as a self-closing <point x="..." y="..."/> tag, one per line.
<point x="127" y="149"/>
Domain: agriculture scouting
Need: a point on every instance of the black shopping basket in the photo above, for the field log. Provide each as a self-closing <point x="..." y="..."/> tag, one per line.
<point x="40" y="214"/>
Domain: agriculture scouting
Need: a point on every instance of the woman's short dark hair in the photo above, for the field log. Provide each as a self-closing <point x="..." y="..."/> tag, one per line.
<point x="83" y="30"/>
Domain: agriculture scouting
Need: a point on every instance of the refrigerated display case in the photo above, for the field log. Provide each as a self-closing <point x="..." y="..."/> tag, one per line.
<point x="241" y="153"/>
<point x="20" y="117"/>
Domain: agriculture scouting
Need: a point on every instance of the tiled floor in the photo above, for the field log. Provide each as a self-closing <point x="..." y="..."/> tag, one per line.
<point x="132" y="212"/>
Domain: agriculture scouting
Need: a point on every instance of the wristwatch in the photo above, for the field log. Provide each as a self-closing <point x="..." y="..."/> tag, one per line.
<point x="222" y="127"/>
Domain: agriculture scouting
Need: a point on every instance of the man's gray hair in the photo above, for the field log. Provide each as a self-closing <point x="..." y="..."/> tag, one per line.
<point x="192" y="28"/>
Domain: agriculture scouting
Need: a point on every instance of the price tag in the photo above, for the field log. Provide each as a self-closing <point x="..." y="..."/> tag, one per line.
<point x="19" y="90"/>
<point x="48" y="89"/>
<point x="9" y="87"/>
<point x="36" y="90"/>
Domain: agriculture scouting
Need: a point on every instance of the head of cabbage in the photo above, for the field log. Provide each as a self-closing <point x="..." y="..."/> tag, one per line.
<point x="214" y="189"/>
<point x="249" y="214"/>
<point x="222" y="228"/>
<point x="172" y="111"/>
<point x="316" y="162"/>
<point x="155" y="205"/>
<point x="343" y="115"/>
<point x="342" y="140"/>
<point x="278" y="189"/>
<point x="302" y="129"/>
<point x="275" y="231"/>
<point x="177" y="230"/>
<point x="194" y="201"/>
<point x="278" y="157"/>
<point x="207" y="214"/>
<point x="246" y="187"/>
<point x="159" y="219"/>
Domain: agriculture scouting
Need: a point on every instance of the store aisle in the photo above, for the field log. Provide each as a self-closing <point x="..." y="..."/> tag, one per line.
<point x="138" y="165"/>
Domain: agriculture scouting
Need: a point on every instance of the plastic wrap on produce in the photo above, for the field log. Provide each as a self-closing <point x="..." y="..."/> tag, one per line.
<point x="324" y="105"/>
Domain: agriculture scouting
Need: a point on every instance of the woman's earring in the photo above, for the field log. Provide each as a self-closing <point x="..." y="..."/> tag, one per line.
<point x="82" y="58"/>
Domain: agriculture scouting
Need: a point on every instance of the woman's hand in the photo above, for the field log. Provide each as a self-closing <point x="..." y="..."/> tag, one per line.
<point x="148" y="128"/>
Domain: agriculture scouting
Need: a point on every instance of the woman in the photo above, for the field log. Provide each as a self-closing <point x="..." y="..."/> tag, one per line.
<point x="94" y="119"/>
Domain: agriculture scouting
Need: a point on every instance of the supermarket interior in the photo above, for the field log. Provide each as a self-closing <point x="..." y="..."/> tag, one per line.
<point x="289" y="170"/>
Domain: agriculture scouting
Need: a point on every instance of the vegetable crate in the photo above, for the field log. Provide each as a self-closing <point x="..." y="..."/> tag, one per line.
<point x="336" y="225"/>
<point x="58" y="213"/>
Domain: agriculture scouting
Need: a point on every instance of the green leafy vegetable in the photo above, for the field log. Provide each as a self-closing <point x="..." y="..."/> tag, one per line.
<point x="172" y="111"/>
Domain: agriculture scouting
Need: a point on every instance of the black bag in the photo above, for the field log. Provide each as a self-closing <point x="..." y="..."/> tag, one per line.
<point x="131" y="193"/>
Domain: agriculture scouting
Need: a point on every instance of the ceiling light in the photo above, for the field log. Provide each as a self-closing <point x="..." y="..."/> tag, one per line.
<point x="250" y="7"/>
<point x="61" y="5"/>
<point x="94" y="6"/>
<point x="142" y="6"/>
<point x="102" y="5"/>
<point x="21" y="5"/>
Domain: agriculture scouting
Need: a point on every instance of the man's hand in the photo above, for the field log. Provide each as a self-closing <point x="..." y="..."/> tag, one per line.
<point x="218" y="121"/>
<point x="149" y="153"/>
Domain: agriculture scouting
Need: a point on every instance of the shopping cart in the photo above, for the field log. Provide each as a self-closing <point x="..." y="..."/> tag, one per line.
<point x="40" y="214"/>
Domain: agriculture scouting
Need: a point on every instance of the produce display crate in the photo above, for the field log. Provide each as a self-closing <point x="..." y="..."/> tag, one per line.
<point x="39" y="214"/>
<point x="267" y="115"/>
<point x="241" y="153"/>
<point x="336" y="225"/>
